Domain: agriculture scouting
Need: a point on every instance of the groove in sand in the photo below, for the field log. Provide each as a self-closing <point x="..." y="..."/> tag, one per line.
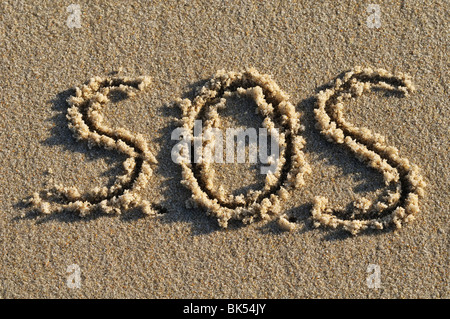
<point x="393" y="207"/>
<point x="86" y="121"/>
<point x="278" y="112"/>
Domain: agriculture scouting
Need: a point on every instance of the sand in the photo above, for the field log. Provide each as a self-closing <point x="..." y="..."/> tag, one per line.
<point x="182" y="252"/>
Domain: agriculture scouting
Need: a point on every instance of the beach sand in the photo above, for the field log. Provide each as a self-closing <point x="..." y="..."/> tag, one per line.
<point x="183" y="253"/>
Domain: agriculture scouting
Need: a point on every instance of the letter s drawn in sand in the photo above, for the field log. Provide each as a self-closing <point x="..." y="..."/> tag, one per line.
<point x="86" y="121"/>
<point x="394" y="207"/>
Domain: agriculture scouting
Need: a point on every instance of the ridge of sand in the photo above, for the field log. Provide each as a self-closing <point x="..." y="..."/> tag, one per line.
<point x="86" y="122"/>
<point x="278" y="113"/>
<point x="394" y="207"/>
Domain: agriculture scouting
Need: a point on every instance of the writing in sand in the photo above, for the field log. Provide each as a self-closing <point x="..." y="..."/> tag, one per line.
<point x="397" y="205"/>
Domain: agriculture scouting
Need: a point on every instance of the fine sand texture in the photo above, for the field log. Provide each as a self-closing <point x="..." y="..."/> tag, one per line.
<point x="84" y="215"/>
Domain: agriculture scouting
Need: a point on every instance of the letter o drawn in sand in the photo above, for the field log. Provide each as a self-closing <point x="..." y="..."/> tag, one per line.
<point x="86" y="121"/>
<point x="400" y="201"/>
<point x="281" y="121"/>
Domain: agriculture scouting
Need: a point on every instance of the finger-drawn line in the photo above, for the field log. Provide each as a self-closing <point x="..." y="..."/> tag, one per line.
<point x="278" y="112"/>
<point x="393" y="207"/>
<point x="86" y="122"/>
<point x="397" y="205"/>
